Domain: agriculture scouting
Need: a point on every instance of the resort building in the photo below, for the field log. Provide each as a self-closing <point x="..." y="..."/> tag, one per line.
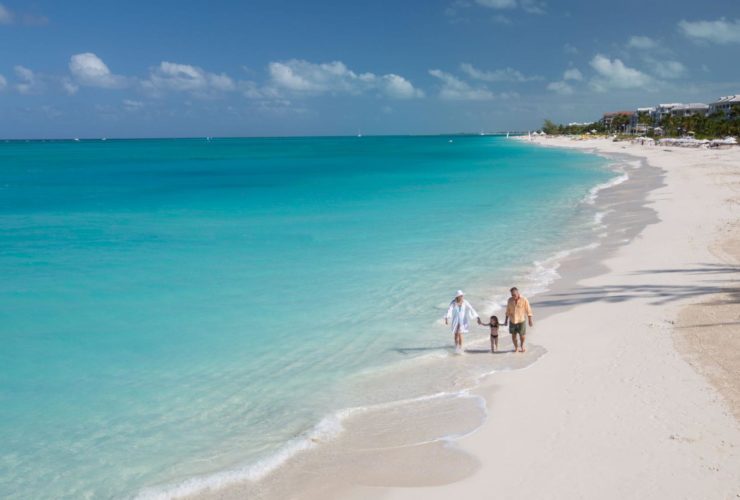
<point x="642" y="120"/>
<point x="608" y="120"/>
<point x="692" y="109"/>
<point x="664" y="110"/>
<point x="724" y="104"/>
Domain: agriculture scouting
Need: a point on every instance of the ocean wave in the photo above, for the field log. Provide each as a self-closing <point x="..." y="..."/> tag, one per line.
<point x="329" y="428"/>
<point x="545" y="272"/>
<point x="593" y="194"/>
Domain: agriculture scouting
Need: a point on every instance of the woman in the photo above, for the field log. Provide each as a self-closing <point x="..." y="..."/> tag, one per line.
<point x="460" y="312"/>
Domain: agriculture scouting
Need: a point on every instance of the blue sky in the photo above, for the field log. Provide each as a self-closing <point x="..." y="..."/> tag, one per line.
<point x="87" y="68"/>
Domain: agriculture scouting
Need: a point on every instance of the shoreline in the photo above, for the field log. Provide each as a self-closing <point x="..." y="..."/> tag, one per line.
<point x="460" y="462"/>
<point x="475" y="456"/>
<point x="615" y="410"/>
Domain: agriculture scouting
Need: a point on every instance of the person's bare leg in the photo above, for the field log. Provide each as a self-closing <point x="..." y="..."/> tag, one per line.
<point x="458" y="341"/>
<point x="493" y="344"/>
<point x="516" y="343"/>
<point x="522" y="348"/>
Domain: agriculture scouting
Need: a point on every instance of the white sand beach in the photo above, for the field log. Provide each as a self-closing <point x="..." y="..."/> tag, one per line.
<point x="638" y="394"/>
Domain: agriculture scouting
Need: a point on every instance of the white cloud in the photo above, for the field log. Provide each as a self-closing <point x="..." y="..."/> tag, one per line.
<point x="131" y="105"/>
<point x="69" y="86"/>
<point x="457" y="90"/>
<point x="3" y="82"/>
<point x="253" y="91"/>
<point x="306" y="77"/>
<point x="614" y="74"/>
<point x="572" y="74"/>
<point x="642" y="43"/>
<point x="533" y="6"/>
<point x="399" y="88"/>
<point x="28" y="83"/>
<point x="561" y="87"/>
<point x="303" y="76"/>
<point x="720" y="31"/>
<point x="669" y="69"/>
<point x="570" y="49"/>
<point x="530" y="6"/>
<point x="187" y="78"/>
<point x="88" y="69"/>
<point x="501" y="19"/>
<point x="499" y="75"/>
<point x="6" y="16"/>
<point x="497" y="4"/>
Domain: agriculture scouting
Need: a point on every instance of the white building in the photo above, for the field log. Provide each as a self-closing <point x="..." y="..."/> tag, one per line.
<point x="724" y="104"/>
<point x="691" y="109"/>
<point x="664" y="110"/>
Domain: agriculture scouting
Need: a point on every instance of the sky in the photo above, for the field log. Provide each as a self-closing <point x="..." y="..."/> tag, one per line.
<point x="182" y="68"/>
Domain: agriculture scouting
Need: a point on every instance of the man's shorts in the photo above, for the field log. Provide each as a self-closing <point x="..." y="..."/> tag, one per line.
<point x="520" y="328"/>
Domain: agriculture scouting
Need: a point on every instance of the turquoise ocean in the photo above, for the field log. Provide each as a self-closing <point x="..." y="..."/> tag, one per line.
<point x="172" y="309"/>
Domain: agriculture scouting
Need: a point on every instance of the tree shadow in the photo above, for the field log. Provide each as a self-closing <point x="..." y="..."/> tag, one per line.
<point x="656" y="293"/>
<point x="702" y="269"/>
<point x="709" y="325"/>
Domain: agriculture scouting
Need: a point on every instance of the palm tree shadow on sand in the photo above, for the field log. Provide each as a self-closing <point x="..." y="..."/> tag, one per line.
<point x="710" y="281"/>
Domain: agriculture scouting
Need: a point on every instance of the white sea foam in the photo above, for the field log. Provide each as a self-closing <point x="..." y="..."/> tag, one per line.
<point x="329" y="428"/>
<point x="599" y="218"/>
<point x="614" y="181"/>
<point x="545" y="272"/>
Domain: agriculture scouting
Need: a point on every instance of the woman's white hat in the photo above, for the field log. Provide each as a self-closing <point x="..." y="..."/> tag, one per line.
<point x="459" y="294"/>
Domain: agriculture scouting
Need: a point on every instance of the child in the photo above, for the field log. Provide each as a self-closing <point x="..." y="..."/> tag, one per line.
<point x="493" y="324"/>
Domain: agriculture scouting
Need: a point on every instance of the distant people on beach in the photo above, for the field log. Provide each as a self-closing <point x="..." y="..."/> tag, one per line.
<point x="493" y="325"/>
<point x="518" y="316"/>
<point x="459" y="314"/>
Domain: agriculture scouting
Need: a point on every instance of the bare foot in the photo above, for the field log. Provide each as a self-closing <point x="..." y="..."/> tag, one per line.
<point x="524" y="349"/>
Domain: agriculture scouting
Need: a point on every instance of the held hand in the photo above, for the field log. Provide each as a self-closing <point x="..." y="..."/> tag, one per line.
<point x="446" y="321"/>
<point x="479" y="321"/>
<point x="530" y="322"/>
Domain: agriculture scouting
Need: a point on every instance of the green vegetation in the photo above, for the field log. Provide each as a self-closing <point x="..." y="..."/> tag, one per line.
<point x="716" y="125"/>
<point x="554" y="129"/>
<point x="703" y="127"/>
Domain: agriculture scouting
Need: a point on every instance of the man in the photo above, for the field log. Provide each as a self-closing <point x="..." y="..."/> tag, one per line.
<point x="519" y="312"/>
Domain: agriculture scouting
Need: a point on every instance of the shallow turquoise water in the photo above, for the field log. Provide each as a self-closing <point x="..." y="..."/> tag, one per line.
<point x="174" y="307"/>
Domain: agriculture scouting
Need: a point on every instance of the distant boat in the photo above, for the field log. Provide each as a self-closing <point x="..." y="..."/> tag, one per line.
<point x="482" y="133"/>
<point x="507" y="135"/>
<point x="77" y="139"/>
<point x="450" y="140"/>
<point x="104" y="139"/>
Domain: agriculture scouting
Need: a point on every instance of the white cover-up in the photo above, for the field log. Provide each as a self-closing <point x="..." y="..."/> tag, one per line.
<point x="460" y="315"/>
